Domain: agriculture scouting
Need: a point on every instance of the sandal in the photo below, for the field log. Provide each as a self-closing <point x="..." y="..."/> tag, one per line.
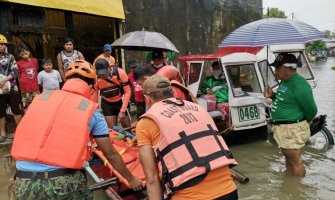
<point x="3" y="138"/>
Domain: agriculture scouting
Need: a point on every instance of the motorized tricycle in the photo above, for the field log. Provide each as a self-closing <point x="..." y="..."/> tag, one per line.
<point x="246" y="72"/>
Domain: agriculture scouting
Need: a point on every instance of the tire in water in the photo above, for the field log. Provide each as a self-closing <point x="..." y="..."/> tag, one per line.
<point x="329" y="136"/>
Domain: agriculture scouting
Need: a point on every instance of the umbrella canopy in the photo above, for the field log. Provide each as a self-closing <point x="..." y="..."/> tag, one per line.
<point x="144" y="41"/>
<point x="272" y="31"/>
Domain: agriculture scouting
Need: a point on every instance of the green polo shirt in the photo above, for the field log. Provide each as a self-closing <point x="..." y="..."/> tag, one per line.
<point x="294" y="100"/>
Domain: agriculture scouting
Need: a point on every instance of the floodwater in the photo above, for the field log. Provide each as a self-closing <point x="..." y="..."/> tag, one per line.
<point x="263" y="163"/>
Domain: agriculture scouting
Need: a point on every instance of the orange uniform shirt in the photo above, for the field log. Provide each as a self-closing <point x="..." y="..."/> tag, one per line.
<point x="110" y="59"/>
<point x="218" y="182"/>
<point x="127" y="90"/>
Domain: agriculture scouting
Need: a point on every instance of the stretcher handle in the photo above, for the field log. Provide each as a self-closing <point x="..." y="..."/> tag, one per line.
<point x="239" y="177"/>
<point x="104" y="184"/>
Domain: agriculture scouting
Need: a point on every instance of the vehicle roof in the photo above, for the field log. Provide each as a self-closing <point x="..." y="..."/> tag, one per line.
<point x="221" y="52"/>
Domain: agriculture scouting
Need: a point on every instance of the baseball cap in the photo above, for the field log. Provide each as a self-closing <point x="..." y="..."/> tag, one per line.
<point x="286" y="60"/>
<point x="156" y="83"/>
<point x="107" y="47"/>
<point x="157" y="55"/>
<point x="133" y="63"/>
<point x="101" y="66"/>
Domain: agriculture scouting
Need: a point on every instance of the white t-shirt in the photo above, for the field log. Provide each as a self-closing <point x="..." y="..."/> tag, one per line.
<point x="49" y="81"/>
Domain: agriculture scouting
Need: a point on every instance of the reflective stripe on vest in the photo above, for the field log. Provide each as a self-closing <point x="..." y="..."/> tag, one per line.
<point x="189" y="145"/>
<point x="55" y="131"/>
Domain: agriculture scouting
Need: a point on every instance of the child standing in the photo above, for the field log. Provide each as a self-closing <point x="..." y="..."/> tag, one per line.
<point x="27" y="68"/>
<point x="49" y="79"/>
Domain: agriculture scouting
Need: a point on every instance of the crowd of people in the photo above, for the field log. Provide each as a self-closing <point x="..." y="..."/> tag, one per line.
<point x="189" y="157"/>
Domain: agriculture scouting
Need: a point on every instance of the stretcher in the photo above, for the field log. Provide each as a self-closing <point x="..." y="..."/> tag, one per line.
<point x="116" y="186"/>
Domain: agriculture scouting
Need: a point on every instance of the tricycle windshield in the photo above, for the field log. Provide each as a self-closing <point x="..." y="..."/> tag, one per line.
<point x="243" y="79"/>
<point x="267" y="74"/>
<point x="303" y="66"/>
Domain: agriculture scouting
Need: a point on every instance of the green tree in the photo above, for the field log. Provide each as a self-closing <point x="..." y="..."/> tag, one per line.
<point x="317" y="45"/>
<point x="275" y="12"/>
<point x="328" y="33"/>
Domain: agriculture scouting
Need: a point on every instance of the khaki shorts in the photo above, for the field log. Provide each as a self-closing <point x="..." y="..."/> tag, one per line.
<point x="291" y="136"/>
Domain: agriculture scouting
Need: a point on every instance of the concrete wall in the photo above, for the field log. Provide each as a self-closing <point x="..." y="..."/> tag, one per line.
<point x="195" y="25"/>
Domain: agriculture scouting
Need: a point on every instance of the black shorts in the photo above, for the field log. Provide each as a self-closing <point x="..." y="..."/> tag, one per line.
<point x="231" y="196"/>
<point x="110" y="108"/>
<point x="12" y="99"/>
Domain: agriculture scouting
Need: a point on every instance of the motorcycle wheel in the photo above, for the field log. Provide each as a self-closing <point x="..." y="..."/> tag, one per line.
<point x="322" y="139"/>
<point x="328" y="135"/>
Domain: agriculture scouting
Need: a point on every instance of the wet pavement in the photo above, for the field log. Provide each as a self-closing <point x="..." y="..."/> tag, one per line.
<point x="263" y="163"/>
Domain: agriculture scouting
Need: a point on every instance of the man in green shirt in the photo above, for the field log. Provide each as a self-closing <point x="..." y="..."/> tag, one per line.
<point x="216" y="85"/>
<point x="292" y="109"/>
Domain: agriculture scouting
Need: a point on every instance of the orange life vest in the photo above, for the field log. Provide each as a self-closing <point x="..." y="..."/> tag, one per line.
<point x="189" y="145"/>
<point x="188" y="94"/>
<point x="110" y="89"/>
<point x="170" y="72"/>
<point x="54" y="131"/>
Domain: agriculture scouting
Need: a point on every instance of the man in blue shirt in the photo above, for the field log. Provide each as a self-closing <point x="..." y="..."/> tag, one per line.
<point x="45" y="172"/>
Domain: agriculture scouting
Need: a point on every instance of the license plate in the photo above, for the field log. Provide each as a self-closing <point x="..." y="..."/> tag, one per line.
<point x="248" y="113"/>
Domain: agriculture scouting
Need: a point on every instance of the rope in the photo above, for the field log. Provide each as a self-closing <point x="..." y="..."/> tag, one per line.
<point x="11" y="189"/>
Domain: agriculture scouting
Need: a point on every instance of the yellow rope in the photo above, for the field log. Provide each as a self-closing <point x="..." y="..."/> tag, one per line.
<point x="11" y="189"/>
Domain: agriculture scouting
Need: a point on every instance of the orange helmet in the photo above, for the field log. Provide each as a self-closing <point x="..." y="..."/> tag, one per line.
<point x="82" y="68"/>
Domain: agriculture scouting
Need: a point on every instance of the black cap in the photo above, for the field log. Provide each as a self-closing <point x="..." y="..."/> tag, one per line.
<point x="157" y="55"/>
<point x="285" y="59"/>
<point x="101" y="65"/>
<point x="133" y="63"/>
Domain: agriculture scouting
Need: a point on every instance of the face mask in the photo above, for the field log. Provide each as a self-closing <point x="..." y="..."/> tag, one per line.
<point x="217" y="73"/>
<point x="158" y="66"/>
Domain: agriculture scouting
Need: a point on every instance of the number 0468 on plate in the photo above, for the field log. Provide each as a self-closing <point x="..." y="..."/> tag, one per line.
<point x="248" y="113"/>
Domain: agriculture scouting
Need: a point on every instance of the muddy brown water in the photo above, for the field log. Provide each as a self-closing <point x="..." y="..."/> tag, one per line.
<point x="263" y="163"/>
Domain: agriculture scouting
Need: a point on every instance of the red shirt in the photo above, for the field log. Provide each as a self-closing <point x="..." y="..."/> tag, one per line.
<point x="28" y="75"/>
<point x="138" y="92"/>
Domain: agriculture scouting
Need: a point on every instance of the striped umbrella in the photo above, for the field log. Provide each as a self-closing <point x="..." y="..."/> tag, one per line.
<point x="272" y="31"/>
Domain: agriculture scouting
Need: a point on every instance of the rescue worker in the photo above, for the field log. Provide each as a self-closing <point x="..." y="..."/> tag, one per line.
<point x="161" y="68"/>
<point x="113" y="83"/>
<point x="53" y="141"/>
<point x="9" y="95"/>
<point x="65" y="57"/>
<point x="107" y="50"/>
<point x="292" y="110"/>
<point x="180" y="139"/>
<point x="142" y="72"/>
